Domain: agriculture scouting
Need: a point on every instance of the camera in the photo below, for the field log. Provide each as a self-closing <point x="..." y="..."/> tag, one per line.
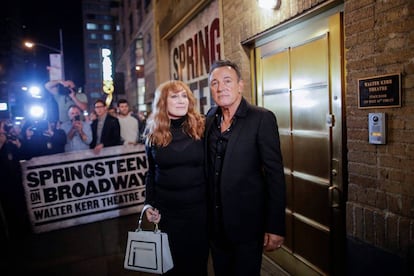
<point x="8" y="127"/>
<point x="11" y="137"/>
<point x="63" y="90"/>
<point x="77" y="118"/>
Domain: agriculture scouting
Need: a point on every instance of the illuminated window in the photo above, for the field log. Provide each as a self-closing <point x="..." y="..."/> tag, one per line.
<point x="93" y="65"/>
<point x="91" y="26"/>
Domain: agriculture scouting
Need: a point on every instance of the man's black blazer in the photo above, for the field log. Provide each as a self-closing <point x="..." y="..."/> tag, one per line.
<point x="253" y="190"/>
<point x="111" y="132"/>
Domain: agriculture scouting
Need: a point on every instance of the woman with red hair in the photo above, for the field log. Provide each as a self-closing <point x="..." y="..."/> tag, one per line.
<point x="176" y="183"/>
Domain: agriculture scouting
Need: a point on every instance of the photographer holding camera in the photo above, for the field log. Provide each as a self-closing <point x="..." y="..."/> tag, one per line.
<point x="9" y="142"/>
<point x="78" y="132"/>
<point x="65" y="94"/>
<point x="39" y="138"/>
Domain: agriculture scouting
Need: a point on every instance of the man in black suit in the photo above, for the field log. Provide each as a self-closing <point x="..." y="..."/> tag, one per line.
<point x="105" y="128"/>
<point x="247" y="191"/>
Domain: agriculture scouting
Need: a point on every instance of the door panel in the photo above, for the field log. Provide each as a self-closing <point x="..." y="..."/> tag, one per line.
<point x="309" y="109"/>
<point x="277" y="77"/>
<point x="309" y="63"/>
<point x="281" y="102"/>
<point x="311" y="242"/>
<point x="306" y="206"/>
<point x="310" y="155"/>
<point x="294" y="73"/>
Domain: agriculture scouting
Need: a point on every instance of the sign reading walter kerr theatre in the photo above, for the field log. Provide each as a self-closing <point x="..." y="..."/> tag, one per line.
<point x="379" y="91"/>
<point x="74" y="188"/>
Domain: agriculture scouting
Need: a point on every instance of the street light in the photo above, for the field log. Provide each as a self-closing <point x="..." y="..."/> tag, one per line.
<point x="30" y="44"/>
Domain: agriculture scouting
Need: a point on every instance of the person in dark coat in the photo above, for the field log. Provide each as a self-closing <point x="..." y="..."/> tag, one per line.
<point x="106" y="131"/>
<point x="246" y="178"/>
<point x="175" y="181"/>
<point x="13" y="212"/>
<point x="39" y="138"/>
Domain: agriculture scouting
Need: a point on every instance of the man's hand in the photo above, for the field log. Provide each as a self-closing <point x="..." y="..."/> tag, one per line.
<point x="98" y="148"/>
<point x="272" y="241"/>
<point x="68" y="84"/>
<point x="77" y="125"/>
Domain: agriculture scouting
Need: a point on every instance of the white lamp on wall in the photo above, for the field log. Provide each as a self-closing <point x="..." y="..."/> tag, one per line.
<point x="269" y="4"/>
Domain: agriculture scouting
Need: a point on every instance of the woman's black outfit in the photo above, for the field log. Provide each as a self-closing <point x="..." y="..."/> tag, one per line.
<point x="176" y="186"/>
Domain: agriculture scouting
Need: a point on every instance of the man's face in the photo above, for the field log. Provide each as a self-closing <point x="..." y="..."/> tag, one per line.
<point x="100" y="109"/>
<point x="123" y="109"/>
<point x="112" y="111"/>
<point x="73" y="112"/>
<point x="225" y="86"/>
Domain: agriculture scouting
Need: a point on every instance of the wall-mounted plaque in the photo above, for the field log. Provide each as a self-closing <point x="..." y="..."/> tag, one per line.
<point x="380" y="91"/>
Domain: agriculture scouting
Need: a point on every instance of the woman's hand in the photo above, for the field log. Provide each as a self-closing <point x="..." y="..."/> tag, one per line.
<point x="153" y="215"/>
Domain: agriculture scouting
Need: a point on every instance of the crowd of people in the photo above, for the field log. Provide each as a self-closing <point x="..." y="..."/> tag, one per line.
<point x="74" y="128"/>
<point x="219" y="175"/>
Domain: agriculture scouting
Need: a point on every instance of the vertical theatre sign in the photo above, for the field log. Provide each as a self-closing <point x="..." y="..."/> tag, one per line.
<point x="69" y="189"/>
<point x="107" y="75"/>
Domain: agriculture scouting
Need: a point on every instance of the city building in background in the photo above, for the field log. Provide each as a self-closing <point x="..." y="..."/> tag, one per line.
<point x="136" y="57"/>
<point x="99" y="28"/>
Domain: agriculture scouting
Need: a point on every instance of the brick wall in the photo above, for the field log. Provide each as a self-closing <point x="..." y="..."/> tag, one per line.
<point x="379" y="38"/>
<point x="254" y="20"/>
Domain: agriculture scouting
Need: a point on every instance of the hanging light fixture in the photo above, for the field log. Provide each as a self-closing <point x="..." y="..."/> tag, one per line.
<point x="269" y="4"/>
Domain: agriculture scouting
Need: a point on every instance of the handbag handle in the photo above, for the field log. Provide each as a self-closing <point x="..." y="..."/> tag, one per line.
<point x="146" y="206"/>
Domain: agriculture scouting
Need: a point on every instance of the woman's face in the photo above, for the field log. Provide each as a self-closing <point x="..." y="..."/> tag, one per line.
<point x="177" y="103"/>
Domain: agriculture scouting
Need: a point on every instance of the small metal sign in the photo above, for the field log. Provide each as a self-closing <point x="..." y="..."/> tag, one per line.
<point x="380" y="91"/>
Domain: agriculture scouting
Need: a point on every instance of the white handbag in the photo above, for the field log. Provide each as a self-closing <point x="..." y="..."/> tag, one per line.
<point x="148" y="251"/>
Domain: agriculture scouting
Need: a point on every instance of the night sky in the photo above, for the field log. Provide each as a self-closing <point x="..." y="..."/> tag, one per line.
<point x="42" y="21"/>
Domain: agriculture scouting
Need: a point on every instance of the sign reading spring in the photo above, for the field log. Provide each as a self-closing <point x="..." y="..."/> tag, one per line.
<point x="192" y="51"/>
